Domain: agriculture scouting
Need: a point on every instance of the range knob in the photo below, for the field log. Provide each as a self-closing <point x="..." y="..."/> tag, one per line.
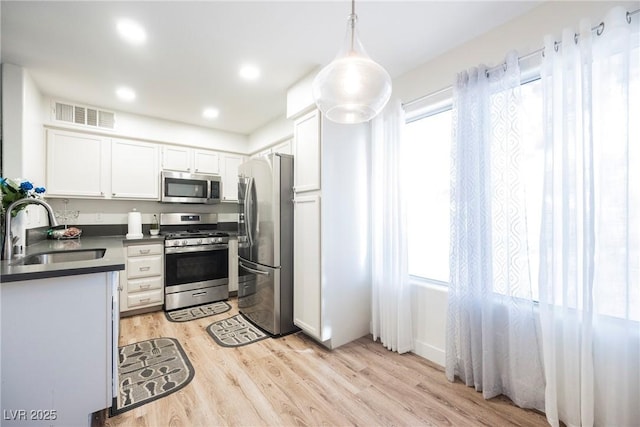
<point x="199" y="241"/>
<point x="185" y="243"/>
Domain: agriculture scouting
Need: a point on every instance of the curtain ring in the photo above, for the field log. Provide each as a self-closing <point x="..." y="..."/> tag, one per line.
<point x="556" y="46"/>
<point x="628" y="18"/>
<point x="600" y="29"/>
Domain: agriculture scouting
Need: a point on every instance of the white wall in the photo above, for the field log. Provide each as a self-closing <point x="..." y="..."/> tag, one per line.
<point x="524" y="34"/>
<point x="273" y="132"/>
<point x="162" y="131"/>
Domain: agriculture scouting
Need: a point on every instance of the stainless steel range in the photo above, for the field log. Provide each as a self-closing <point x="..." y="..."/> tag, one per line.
<point x="196" y="260"/>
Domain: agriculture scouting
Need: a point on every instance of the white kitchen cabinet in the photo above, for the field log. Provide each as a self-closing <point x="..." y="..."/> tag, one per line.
<point x="230" y="163"/>
<point x="233" y="264"/>
<point x="332" y="262"/>
<point x="77" y="164"/>
<point x="187" y="159"/>
<point x="307" y="304"/>
<point x="176" y="158"/>
<point x="134" y="170"/>
<point x="142" y="282"/>
<point x="57" y="348"/>
<point x="206" y="161"/>
<point x="307" y="134"/>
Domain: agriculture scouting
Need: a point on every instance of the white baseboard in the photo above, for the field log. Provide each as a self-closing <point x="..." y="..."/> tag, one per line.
<point x="429" y="352"/>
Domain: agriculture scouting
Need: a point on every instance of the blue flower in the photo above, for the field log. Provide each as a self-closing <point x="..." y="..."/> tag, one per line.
<point x="40" y="190"/>
<point x="26" y="186"/>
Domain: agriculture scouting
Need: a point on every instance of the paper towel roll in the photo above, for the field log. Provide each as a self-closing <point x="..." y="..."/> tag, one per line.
<point x="135" y="225"/>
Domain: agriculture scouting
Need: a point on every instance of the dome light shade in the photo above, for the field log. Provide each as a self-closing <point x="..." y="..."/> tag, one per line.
<point x="352" y="88"/>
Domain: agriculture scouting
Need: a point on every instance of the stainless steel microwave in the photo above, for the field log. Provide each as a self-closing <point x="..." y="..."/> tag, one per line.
<point x="184" y="187"/>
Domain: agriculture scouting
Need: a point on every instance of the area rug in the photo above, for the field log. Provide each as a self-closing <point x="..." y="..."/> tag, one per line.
<point x="235" y="331"/>
<point x="149" y="370"/>
<point x="192" y="313"/>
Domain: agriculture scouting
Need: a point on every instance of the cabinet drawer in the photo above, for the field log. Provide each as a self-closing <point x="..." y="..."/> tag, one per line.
<point x="144" y="266"/>
<point x="144" y="298"/>
<point x="144" y="284"/>
<point x="143" y="250"/>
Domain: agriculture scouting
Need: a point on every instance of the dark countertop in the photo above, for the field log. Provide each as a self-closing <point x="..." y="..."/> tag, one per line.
<point x="113" y="259"/>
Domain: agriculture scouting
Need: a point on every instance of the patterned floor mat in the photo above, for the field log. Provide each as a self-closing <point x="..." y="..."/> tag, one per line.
<point x="235" y="331"/>
<point x="192" y="313"/>
<point x="149" y="370"/>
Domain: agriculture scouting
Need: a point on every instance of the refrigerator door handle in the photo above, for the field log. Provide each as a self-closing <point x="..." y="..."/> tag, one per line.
<point x="253" y="270"/>
<point x="247" y="213"/>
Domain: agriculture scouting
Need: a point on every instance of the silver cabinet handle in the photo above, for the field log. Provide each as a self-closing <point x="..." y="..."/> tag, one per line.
<point x="145" y="286"/>
<point x="144" y="299"/>
<point x="145" y="268"/>
<point x="144" y="251"/>
<point x="198" y="294"/>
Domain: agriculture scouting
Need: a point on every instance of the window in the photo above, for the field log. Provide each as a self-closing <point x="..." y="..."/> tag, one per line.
<point x="429" y="147"/>
<point x="428" y="138"/>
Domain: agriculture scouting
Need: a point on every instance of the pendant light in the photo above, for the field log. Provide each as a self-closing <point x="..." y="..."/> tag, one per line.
<point x="352" y="88"/>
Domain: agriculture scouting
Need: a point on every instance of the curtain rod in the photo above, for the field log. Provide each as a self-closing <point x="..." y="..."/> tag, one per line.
<point x="599" y="29"/>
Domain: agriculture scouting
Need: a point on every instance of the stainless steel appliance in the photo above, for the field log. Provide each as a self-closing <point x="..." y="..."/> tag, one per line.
<point x="183" y="187"/>
<point x="196" y="260"/>
<point x="265" y="242"/>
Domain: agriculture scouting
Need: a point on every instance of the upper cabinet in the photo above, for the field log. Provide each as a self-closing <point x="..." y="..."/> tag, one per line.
<point x="77" y="164"/>
<point x="195" y="160"/>
<point x="84" y="165"/>
<point x="134" y="170"/>
<point x="229" y="172"/>
<point x="307" y="134"/>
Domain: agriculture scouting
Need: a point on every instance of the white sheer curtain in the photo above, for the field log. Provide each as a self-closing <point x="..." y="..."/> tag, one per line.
<point x="391" y="304"/>
<point x="492" y="332"/>
<point x="590" y="243"/>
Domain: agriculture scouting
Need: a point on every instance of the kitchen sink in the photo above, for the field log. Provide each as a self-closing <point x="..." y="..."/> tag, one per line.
<point x="61" y="256"/>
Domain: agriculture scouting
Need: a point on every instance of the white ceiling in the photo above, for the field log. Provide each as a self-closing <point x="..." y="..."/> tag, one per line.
<point x="194" y="49"/>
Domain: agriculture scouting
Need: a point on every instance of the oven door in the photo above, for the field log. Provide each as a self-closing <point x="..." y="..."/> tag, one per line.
<point x="194" y="267"/>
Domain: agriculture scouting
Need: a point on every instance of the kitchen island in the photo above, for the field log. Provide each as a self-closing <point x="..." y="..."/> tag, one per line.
<point x="59" y="325"/>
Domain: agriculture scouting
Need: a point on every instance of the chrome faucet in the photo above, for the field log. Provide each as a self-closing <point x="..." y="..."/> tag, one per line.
<point x="7" y="252"/>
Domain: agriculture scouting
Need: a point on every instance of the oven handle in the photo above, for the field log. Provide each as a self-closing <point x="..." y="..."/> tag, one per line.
<point x="198" y="248"/>
<point x="253" y="270"/>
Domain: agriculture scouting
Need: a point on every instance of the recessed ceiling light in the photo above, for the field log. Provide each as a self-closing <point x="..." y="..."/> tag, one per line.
<point x="249" y="72"/>
<point x="131" y="31"/>
<point x="210" y="113"/>
<point x="126" y="94"/>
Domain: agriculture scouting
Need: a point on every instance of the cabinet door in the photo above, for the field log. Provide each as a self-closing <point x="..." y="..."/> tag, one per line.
<point x="205" y="161"/>
<point x="176" y="158"/>
<point x="230" y="165"/>
<point x="307" y="284"/>
<point x="134" y="170"/>
<point x="306" y="134"/>
<point x="233" y="265"/>
<point x="76" y="164"/>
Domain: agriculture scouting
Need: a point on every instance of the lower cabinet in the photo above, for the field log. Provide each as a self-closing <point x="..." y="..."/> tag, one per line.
<point x="57" y="349"/>
<point x="233" y="264"/>
<point x="142" y="282"/>
<point x="307" y="296"/>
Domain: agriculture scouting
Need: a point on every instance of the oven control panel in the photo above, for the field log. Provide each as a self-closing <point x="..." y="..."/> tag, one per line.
<point x="196" y="241"/>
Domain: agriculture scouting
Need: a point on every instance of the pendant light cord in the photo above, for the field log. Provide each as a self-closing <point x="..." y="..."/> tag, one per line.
<point x="352" y="22"/>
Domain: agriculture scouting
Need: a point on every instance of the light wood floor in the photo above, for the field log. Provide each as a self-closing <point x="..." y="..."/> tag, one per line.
<point x="294" y="381"/>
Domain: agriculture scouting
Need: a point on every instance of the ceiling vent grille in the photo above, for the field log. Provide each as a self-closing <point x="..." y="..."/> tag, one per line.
<point x="84" y="116"/>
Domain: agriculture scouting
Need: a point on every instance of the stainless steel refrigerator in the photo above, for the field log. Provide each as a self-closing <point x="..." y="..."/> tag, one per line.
<point x="265" y="242"/>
